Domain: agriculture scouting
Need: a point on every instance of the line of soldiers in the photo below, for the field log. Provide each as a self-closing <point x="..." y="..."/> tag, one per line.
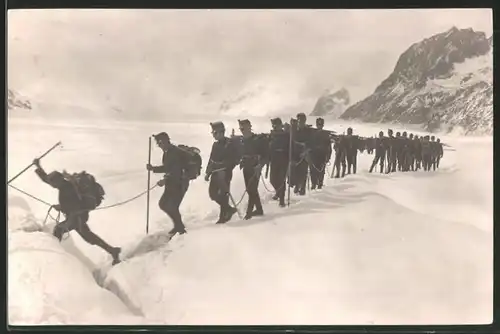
<point x="290" y="152"/>
<point x="405" y="152"/>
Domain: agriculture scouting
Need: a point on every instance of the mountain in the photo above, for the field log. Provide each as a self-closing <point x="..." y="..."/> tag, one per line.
<point x="444" y="82"/>
<point x="332" y="103"/>
<point x="15" y="101"/>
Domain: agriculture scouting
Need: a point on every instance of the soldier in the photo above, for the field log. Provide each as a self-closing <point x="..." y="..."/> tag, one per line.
<point x="175" y="181"/>
<point x="370" y="145"/>
<point x="340" y="156"/>
<point x="426" y="153"/>
<point x="398" y="150"/>
<point x="76" y="209"/>
<point x="254" y="157"/>
<point x="223" y="158"/>
<point x="321" y="153"/>
<point x="380" y="152"/>
<point x="302" y="143"/>
<point x="434" y="152"/>
<point x="439" y="152"/>
<point x="391" y="152"/>
<point x="404" y="152"/>
<point x="411" y="153"/>
<point x="417" y="148"/>
<point x="351" y="147"/>
<point x="278" y="148"/>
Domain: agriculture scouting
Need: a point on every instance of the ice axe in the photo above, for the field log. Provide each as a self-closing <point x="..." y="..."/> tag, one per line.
<point x="39" y="158"/>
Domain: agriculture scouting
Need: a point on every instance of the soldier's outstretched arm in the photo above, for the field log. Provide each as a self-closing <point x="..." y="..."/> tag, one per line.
<point x="41" y="172"/>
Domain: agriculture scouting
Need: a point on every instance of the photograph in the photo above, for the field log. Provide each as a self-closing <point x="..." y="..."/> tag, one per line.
<point x="243" y="167"/>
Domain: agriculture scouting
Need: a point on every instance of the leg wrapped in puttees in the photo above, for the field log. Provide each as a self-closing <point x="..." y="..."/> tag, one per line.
<point x="170" y="202"/>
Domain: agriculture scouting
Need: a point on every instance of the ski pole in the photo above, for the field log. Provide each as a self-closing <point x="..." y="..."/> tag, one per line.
<point x="290" y="143"/>
<point x="31" y="164"/>
<point x="149" y="186"/>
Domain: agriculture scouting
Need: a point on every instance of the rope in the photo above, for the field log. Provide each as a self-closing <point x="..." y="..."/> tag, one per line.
<point x="29" y="195"/>
<point x="126" y="201"/>
<point x="246" y="191"/>
<point x="99" y="208"/>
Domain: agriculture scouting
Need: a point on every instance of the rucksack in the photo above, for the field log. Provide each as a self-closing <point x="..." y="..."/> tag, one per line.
<point x="89" y="190"/>
<point x="193" y="162"/>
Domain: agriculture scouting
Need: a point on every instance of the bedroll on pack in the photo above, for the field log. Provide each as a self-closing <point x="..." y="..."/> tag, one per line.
<point x="192" y="166"/>
<point x="90" y="191"/>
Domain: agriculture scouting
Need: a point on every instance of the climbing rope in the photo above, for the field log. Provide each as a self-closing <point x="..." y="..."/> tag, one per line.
<point x="29" y="195"/>
<point x="99" y="208"/>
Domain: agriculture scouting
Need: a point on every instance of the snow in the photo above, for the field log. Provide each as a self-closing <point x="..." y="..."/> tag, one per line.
<point x="479" y="69"/>
<point x="406" y="248"/>
<point x="49" y="286"/>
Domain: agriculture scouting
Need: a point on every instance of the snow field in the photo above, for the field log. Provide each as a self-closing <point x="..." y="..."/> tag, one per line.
<point x="406" y="248"/>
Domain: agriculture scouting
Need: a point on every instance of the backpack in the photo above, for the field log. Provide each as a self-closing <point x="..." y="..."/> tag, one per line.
<point x="193" y="162"/>
<point x="89" y="190"/>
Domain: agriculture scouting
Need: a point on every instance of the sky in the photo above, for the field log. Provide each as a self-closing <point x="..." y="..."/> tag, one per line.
<point x="157" y="62"/>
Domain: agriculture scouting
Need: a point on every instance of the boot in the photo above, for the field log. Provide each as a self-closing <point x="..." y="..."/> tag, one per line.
<point x="229" y="214"/>
<point x="222" y="215"/>
<point x="115" y="254"/>
<point x="257" y="213"/>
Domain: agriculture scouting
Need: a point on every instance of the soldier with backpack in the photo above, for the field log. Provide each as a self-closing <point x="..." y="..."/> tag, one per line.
<point x="279" y="142"/>
<point x="223" y="158"/>
<point x="321" y="153"/>
<point x="255" y="152"/>
<point x="78" y="195"/>
<point x="180" y="165"/>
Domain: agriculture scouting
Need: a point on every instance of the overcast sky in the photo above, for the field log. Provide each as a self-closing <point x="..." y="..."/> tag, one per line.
<point x="159" y="59"/>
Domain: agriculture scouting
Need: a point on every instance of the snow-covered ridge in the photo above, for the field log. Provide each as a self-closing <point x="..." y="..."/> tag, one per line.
<point x="332" y="103"/>
<point x="444" y="83"/>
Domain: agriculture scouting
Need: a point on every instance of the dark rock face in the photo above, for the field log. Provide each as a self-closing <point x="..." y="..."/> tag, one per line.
<point x="332" y="103"/>
<point x="14" y="101"/>
<point x="442" y="82"/>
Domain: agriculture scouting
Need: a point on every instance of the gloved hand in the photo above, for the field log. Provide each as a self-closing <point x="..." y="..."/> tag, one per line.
<point x="207" y="177"/>
<point x="149" y="167"/>
<point x="36" y="162"/>
<point x="56" y="207"/>
<point x="161" y="183"/>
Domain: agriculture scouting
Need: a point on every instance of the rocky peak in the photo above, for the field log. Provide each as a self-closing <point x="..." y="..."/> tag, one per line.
<point x="332" y="103"/>
<point x="14" y="101"/>
<point x="443" y="82"/>
<point x="434" y="56"/>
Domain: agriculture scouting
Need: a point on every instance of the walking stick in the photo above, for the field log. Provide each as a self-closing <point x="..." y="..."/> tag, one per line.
<point x="31" y="164"/>
<point x="149" y="186"/>
<point x="290" y="148"/>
